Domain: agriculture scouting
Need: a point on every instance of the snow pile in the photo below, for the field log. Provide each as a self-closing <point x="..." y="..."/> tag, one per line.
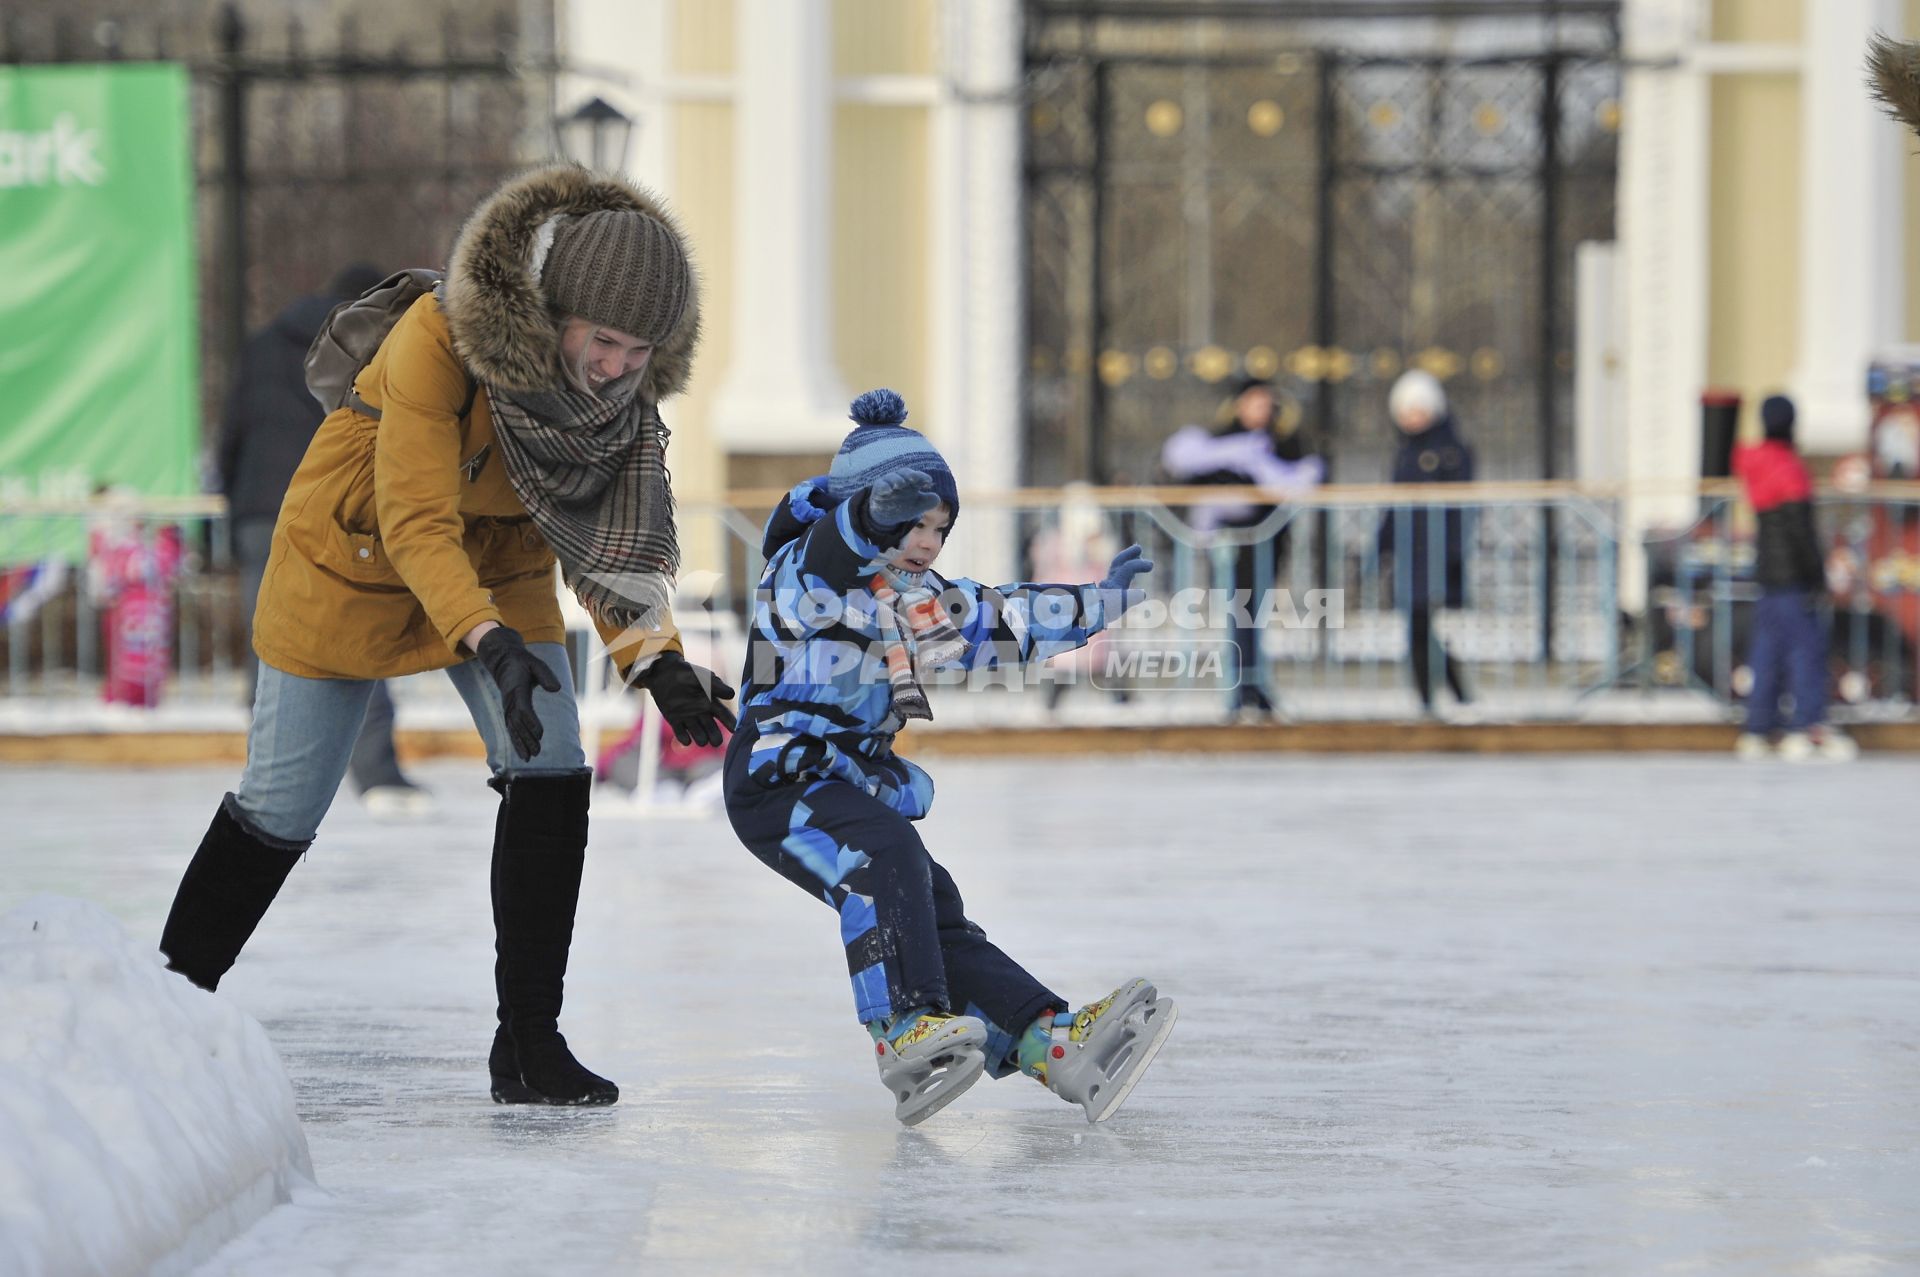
<point x="143" y="1122"/>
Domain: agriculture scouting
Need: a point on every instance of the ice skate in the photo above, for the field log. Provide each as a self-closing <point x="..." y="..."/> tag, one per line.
<point x="930" y="1062"/>
<point x="1751" y="747"/>
<point x="1097" y="1057"/>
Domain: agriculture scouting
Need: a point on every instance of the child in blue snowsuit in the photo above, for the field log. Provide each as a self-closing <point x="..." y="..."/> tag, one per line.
<point x="849" y="620"/>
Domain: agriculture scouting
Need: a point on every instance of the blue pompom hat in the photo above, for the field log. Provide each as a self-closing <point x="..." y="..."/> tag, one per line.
<point x="880" y="444"/>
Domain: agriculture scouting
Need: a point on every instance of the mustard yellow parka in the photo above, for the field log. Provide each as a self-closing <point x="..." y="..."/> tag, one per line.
<point x="399" y="535"/>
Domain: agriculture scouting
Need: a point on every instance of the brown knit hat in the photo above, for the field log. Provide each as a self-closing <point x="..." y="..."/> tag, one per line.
<point x="621" y="269"/>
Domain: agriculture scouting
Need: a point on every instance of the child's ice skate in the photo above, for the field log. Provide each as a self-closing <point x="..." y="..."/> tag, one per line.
<point x="927" y="1058"/>
<point x="1096" y="1056"/>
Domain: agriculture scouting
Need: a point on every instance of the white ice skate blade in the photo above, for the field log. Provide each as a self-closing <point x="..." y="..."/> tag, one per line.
<point x="932" y="1094"/>
<point x="933" y="1072"/>
<point x="1168" y="1012"/>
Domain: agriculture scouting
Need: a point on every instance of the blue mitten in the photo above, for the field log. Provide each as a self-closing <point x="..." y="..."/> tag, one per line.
<point x="900" y="498"/>
<point x="1117" y="587"/>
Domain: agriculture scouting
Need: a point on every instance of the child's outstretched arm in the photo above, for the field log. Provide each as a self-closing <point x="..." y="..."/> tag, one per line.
<point x="1013" y="624"/>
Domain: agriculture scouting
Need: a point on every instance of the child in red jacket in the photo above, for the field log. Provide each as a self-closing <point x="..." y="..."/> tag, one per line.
<point x="1789" y="637"/>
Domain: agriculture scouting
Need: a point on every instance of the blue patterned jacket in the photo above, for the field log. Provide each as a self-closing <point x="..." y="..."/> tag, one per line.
<point x="815" y="697"/>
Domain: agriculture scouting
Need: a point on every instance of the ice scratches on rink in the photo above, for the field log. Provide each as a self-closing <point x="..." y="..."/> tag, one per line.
<point x="1446" y="1016"/>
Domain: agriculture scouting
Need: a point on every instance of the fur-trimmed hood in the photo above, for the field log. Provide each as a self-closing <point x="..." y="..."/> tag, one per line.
<point x="498" y="315"/>
<point x="1893" y="74"/>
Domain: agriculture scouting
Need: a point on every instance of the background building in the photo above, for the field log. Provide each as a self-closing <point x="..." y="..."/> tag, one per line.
<point x="1057" y="226"/>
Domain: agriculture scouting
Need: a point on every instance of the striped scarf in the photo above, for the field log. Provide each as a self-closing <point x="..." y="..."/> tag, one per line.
<point x="592" y="473"/>
<point x="918" y="635"/>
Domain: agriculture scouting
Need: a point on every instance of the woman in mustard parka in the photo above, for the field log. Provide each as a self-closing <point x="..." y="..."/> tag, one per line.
<point x="509" y="418"/>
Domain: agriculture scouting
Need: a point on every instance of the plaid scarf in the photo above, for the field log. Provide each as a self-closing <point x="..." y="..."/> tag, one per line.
<point x="919" y="636"/>
<point x="592" y="473"/>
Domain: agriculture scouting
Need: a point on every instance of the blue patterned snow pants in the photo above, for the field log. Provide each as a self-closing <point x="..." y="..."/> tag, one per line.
<point x="908" y="940"/>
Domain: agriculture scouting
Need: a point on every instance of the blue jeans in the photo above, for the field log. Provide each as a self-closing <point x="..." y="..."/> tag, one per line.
<point x="1789" y="646"/>
<point x="304" y="729"/>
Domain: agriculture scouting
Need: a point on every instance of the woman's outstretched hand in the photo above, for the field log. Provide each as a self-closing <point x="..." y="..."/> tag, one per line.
<point x="691" y="699"/>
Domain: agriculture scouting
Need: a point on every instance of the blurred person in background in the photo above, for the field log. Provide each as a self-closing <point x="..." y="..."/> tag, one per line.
<point x="1788" y="648"/>
<point x="269" y="420"/>
<point x="508" y="418"/>
<point x="1431" y="451"/>
<point x="1254" y="446"/>
<point x="131" y="569"/>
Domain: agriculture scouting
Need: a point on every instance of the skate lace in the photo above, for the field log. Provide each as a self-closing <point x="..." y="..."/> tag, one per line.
<point x="1084" y="1018"/>
<point x="924" y="1027"/>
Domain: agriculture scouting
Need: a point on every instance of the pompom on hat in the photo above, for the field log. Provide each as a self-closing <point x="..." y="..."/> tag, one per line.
<point x="881" y="444"/>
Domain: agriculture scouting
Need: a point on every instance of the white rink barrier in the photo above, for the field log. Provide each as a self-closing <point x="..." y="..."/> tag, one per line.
<point x="144" y="1123"/>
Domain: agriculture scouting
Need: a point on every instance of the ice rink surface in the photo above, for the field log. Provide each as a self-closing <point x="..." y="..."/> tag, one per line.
<point x="1444" y="1016"/>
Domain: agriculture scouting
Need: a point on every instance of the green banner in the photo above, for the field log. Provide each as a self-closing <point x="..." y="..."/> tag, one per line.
<point x="98" y="351"/>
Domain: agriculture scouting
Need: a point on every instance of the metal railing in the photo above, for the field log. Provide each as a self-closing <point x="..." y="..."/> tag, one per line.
<point x="1698" y="621"/>
<point x="1537" y="621"/>
<point x="1538" y="627"/>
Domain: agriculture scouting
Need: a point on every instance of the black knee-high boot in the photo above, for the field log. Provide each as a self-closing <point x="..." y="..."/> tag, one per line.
<point x="225" y="892"/>
<point x="501" y="1064"/>
<point x="539" y="849"/>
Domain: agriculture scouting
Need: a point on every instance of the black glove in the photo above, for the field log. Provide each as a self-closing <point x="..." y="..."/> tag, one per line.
<point x="515" y="671"/>
<point x="690" y="698"/>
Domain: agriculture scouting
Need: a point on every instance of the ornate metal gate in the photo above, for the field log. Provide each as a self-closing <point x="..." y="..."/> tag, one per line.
<point x="1310" y="192"/>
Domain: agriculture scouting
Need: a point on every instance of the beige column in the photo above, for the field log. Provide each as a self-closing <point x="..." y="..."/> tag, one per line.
<point x="781" y="391"/>
<point x="1852" y="255"/>
<point x="978" y="298"/>
<point x="1663" y="272"/>
<point x="616" y="50"/>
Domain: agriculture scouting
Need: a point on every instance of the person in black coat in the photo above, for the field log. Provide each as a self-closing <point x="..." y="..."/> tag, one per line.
<point x="1435" y="575"/>
<point x="269" y="419"/>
